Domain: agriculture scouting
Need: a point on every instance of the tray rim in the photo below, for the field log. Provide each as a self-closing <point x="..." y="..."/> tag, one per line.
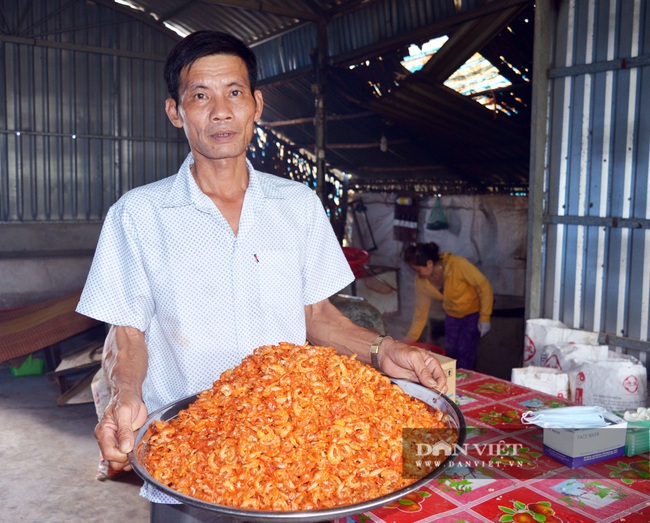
<point x="305" y="516"/>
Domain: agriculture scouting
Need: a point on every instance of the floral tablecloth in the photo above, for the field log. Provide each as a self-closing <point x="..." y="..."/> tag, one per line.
<point x="505" y="477"/>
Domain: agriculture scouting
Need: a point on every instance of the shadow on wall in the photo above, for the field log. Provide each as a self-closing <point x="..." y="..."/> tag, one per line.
<point x="502" y="349"/>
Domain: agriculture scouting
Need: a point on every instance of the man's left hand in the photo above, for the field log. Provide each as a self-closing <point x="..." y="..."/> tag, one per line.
<point x="399" y="360"/>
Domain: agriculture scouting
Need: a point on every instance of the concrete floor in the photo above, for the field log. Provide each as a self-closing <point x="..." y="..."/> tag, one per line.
<point x="49" y="460"/>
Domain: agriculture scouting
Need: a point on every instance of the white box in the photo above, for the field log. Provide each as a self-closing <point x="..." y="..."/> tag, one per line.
<point x="579" y="447"/>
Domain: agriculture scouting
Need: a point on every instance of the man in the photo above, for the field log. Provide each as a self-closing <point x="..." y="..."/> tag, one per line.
<point x="198" y="269"/>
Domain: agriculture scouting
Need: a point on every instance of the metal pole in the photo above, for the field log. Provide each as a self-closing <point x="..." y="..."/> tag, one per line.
<point x="320" y="120"/>
<point x="542" y="55"/>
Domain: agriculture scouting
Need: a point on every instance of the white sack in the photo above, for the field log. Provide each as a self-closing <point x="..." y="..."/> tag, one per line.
<point x="541" y="332"/>
<point x="618" y="384"/>
<point x="564" y="355"/>
<point x="550" y="381"/>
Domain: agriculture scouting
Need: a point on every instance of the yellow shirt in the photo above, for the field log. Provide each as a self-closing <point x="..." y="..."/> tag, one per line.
<point x="466" y="291"/>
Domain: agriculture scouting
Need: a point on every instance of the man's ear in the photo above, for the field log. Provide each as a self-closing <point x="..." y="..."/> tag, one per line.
<point x="172" y="113"/>
<point x="259" y="103"/>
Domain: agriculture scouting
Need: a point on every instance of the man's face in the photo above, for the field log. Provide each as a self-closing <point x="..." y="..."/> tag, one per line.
<point x="216" y="108"/>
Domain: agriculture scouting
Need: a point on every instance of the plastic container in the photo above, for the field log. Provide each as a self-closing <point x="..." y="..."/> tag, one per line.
<point x="30" y="367"/>
<point x="637" y="438"/>
<point x="357" y="258"/>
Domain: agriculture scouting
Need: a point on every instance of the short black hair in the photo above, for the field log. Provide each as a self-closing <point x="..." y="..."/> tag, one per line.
<point x="206" y="43"/>
<point x="420" y="253"/>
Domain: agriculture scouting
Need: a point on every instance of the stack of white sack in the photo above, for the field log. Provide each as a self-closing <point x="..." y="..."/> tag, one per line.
<point x="599" y="376"/>
<point x="542" y="331"/>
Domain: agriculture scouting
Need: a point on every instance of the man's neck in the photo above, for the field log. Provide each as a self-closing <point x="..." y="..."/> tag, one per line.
<point x="225" y="183"/>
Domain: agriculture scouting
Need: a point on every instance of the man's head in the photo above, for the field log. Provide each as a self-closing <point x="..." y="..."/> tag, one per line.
<point x="205" y="43"/>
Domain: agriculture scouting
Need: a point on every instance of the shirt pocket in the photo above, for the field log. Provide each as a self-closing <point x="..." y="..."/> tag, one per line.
<point x="280" y="278"/>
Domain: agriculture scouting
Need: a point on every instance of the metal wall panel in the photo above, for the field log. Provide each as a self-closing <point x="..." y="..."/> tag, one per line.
<point x="597" y="205"/>
<point x="81" y="110"/>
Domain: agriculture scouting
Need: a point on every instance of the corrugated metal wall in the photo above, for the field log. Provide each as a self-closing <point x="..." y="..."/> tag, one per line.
<point x="81" y="110"/>
<point x="596" y="273"/>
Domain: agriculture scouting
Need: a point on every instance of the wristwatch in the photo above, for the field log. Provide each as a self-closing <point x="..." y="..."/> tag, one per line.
<point x="374" y="349"/>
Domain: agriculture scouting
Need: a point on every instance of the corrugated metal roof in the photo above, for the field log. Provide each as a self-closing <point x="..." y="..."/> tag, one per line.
<point x="430" y="129"/>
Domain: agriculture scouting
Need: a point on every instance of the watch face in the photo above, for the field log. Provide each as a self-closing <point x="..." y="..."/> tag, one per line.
<point x="374" y="349"/>
<point x="375" y="344"/>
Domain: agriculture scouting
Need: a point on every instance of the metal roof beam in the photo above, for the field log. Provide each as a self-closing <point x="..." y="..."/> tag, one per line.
<point x="310" y="119"/>
<point x="265" y="7"/>
<point x="53" y="44"/>
<point x="144" y="17"/>
<point x="163" y="17"/>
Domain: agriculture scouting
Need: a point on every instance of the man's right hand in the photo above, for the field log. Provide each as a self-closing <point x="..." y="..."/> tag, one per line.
<point x="125" y="366"/>
<point x="115" y="432"/>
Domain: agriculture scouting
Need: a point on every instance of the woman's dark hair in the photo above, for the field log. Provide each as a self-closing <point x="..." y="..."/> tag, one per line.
<point x="205" y="43"/>
<point x="420" y="253"/>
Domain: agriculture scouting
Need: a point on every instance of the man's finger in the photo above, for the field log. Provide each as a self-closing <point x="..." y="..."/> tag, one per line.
<point x="125" y="435"/>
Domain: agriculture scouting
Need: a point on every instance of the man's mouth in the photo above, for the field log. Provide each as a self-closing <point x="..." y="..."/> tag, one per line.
<point x="222" y="134"/>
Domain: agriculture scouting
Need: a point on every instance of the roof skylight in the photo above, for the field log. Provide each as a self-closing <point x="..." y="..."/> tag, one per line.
<point x="477" y="75"/>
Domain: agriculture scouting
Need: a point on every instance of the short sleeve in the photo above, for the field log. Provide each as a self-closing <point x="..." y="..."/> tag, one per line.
<point x="326" y="270"/>
<point x="117" y="289"/>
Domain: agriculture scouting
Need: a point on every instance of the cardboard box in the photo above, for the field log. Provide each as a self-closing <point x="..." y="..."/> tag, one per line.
<point x="579" y="447"/>
<point x="449" y="366"/>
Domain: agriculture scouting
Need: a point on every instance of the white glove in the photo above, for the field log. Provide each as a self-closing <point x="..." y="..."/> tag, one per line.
<point x="483" y="327"/>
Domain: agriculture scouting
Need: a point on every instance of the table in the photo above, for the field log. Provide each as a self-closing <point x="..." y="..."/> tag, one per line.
<point x="496" y="483"/>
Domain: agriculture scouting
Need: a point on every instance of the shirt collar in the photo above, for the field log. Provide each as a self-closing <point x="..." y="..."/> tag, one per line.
<point x="185" y="191"/>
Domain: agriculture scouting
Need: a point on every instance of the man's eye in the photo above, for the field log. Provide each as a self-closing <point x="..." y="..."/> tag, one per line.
<point x="200" y="96"/>
<point x="236" y="92"/>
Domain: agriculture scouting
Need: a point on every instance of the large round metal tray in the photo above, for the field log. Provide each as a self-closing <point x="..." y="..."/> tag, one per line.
<point x="233" y="514"/>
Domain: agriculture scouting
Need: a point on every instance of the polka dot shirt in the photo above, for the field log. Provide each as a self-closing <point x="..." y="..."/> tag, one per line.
<point x="168" y="263"/>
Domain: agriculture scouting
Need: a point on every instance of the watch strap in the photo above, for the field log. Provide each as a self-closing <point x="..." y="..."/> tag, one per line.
<point x="374" y="351"/>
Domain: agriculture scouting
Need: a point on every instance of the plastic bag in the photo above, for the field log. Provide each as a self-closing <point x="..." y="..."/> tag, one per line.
<point x="438" y="217"/>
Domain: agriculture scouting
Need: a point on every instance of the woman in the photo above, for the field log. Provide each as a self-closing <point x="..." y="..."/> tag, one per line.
<point x="466" y="297"/>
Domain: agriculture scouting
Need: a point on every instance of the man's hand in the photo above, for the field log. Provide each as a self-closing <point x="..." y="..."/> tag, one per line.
<point x="400" y="360"/>
<point x="115" y="432"/>
<point x="125" y="365"/>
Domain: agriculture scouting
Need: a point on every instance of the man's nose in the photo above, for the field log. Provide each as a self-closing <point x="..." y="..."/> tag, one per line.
<point x="220" y="110"/>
